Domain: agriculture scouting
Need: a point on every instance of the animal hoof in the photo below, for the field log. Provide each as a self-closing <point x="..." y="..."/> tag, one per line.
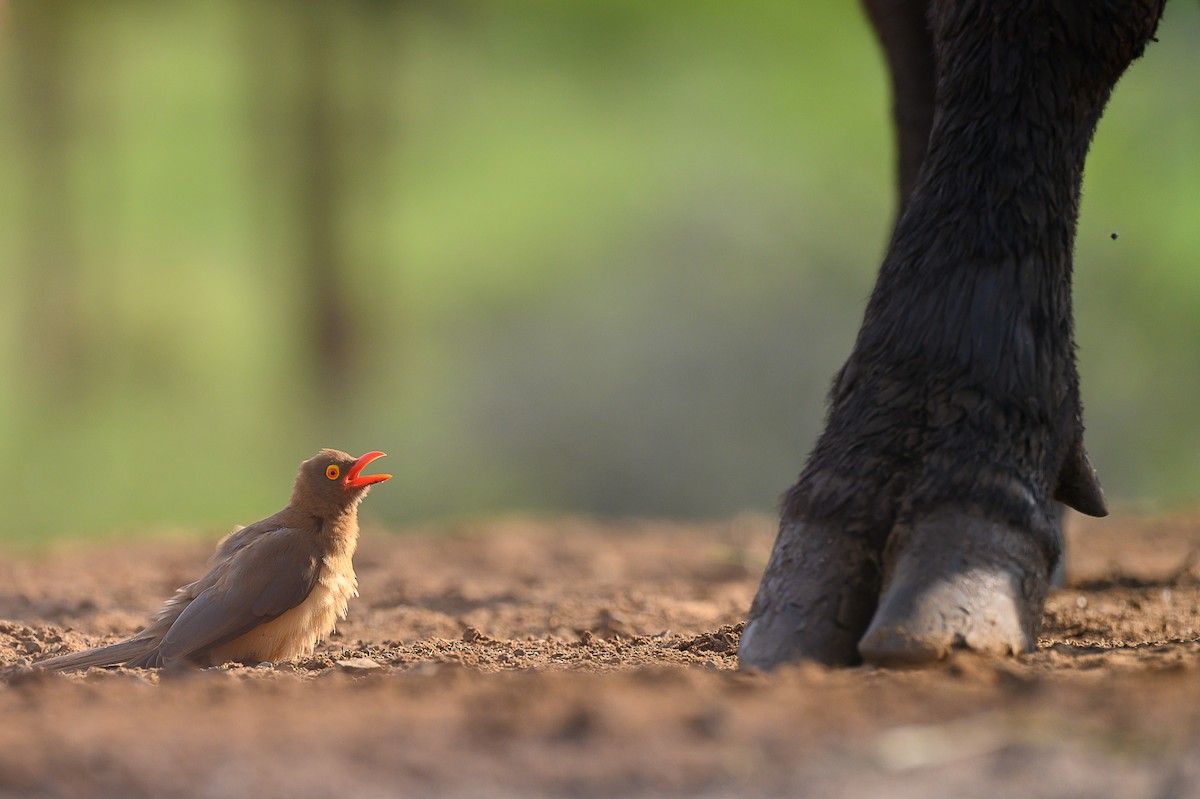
<point x="957" y="581"/>
<point x="816" y="598"/>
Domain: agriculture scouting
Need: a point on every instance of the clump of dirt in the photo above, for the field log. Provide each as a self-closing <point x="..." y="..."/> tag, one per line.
<point x="585" y="658"/>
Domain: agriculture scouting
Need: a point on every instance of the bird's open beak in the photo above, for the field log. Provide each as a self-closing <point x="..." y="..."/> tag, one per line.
<point x="355" y="479"/>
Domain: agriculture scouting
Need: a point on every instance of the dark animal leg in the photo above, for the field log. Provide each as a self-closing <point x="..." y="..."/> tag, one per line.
<point x="902" y="27"/>
<point x="956" y="421"/>
<point x="903" y="30"/>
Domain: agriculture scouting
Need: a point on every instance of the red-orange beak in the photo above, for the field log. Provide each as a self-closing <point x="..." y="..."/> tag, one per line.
<point x="355" y="478"/>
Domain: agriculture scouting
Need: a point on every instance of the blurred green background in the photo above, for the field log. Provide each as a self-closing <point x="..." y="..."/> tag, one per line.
<point x="597" y="256"/>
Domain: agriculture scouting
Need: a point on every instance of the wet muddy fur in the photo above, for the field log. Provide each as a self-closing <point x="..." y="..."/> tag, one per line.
<point x="956" y="422"/>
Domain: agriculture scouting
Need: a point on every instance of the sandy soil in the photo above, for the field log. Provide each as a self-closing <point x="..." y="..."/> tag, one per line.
<point x="581" y="658"/>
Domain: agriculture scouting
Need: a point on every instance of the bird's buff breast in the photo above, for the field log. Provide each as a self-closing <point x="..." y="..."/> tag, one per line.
<point x="296" y="632"/>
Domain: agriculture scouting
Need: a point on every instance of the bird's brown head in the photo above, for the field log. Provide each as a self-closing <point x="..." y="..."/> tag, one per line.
<point x="332" y="481"/>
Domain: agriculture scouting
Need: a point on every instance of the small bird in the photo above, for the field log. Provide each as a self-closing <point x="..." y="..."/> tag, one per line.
<point x="275" y="589"/>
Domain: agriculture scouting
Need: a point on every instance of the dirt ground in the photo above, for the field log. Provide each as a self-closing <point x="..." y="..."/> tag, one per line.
<point x="578" y="658"/>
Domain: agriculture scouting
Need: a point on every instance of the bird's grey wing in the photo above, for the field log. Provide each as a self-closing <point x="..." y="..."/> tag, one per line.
<point x="266" y="578"/>
<point x="244" y="536"/>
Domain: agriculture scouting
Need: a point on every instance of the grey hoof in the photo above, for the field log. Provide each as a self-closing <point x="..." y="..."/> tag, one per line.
<point x="957" y="581"/>
<point x="816" y="598"/>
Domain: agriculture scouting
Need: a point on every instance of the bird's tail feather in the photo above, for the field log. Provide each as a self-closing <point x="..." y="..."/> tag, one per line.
<point x="137" y="652"/>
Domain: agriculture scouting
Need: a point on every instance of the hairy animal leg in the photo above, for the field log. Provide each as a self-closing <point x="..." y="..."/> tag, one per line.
<point x="956" y="421"/>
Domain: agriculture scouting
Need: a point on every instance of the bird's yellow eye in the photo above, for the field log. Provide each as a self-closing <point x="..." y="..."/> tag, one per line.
<point x="332" y="472"/>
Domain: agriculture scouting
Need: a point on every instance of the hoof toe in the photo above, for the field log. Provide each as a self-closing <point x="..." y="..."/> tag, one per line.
<point x="957" y="582"/>
<point x="816" y="598"/>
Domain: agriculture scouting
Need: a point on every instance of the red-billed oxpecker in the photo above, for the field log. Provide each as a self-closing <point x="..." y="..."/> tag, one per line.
<point x="276" y="587"/>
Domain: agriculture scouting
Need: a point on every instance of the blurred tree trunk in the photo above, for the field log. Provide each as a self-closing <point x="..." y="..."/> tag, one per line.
<point x="373" y="102"/>
<point x="54" y="340"/>
<point x="320" y="199"/>
<point x="320" y="85"/>
<point x="295" y="137"/>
